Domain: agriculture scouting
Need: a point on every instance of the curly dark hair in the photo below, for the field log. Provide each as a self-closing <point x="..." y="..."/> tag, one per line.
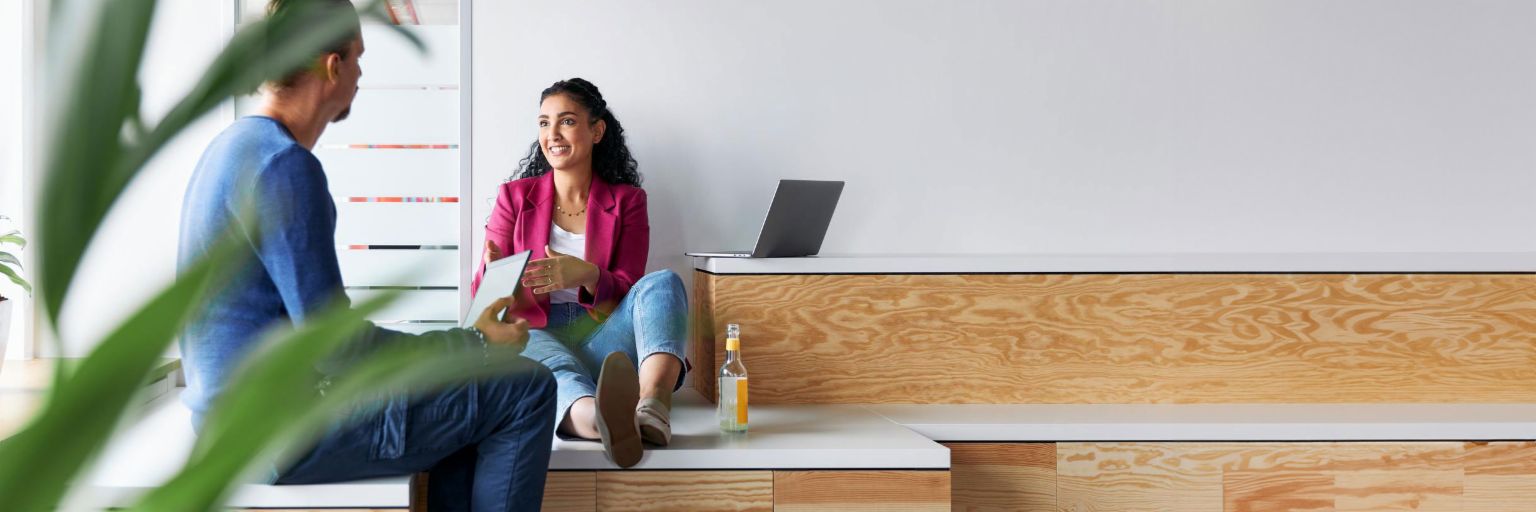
<point x="611" y="161"/>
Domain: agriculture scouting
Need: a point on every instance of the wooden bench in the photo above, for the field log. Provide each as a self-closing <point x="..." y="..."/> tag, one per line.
<point x="1163" y="382"/>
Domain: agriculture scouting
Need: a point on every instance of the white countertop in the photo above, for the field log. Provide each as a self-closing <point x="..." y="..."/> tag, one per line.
<point x="1407" y="263"/>
<point x="779" y="437"/>
<point x="847" y="437"/>
<point x="1217" y="422"/>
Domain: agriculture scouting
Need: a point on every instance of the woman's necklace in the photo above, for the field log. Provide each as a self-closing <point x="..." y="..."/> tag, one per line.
<point x="563" y="212"/>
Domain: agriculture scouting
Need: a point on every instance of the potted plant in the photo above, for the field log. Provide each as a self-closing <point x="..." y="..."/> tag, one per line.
<point x="10" y="267"/>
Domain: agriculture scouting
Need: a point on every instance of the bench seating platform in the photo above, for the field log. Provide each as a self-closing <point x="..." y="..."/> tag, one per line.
<point x="814" y="437"/>
<point x="1215" y="422"/>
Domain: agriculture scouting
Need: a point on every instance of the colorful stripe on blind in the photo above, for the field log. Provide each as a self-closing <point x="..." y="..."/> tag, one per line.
<point x="409" y="87"/>
<point x="402" y="199"/>
<point x="402" y="12"/>
<point x="389" y="146"/>
<point x="385" y="247"/>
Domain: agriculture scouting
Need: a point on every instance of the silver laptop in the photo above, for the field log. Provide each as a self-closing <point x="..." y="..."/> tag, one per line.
<point x="796" y="223"/>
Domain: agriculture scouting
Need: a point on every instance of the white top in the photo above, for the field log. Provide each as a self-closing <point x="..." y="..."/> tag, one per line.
<point x="568" y="243"/>
<point x="149" y="452"/>
<point x="778" y="437"/>
<point x="1216" y="422"/>
<point x="1404" y="262"/>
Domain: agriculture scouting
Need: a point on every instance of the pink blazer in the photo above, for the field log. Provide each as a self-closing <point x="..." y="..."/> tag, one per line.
<point x="618" y="239"/>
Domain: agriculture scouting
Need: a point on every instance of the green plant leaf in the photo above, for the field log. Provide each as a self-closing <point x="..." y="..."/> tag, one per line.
<point x="14" y="238"/>
<point x="9" y="259"/>
<point x="20" y="281"/>
<point x="37" y="464"/>
<point x="86" y="142"/>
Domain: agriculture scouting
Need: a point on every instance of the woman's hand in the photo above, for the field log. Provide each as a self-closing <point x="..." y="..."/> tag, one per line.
<point x="492" y="253"/>
<point x="558" y="272"/>
<point x="509" y="331"/>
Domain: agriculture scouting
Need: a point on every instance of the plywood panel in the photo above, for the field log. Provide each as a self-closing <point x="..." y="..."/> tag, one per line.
<point x="1138" y="478"/>
<point x="684" y="490"/>
<point x="1501" y="476"/>
<point x="1134" y="338"/>
<point x="1500" y="493"/>
<point x="702" y="333"/>
<point x="570" y="491"/>
<point x="1002" y="476"/>
<point x="1501" y="458"/>
<point x="806" y="491"/>
<point x="1259" y="476"/>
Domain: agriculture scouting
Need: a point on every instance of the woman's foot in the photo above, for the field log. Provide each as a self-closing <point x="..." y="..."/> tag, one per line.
<point x="655" y="423"/>
<point x="659" y="373"/>
<point x="618" y="394"/>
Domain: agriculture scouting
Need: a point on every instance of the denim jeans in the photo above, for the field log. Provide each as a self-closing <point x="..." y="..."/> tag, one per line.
<point x="486" y="444"/>
<point x="651" y="319"/>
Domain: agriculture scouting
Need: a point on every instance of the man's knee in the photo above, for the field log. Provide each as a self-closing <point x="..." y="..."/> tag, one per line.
<point x="543" y="383"/>
<point x="527" y="382"/>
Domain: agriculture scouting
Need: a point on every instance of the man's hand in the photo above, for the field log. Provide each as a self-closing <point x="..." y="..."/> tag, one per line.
<point x="513" y="331"/>
<point x="558" y="272"/>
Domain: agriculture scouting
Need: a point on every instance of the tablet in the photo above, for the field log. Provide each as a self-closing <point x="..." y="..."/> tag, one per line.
<point x="500" y="280"/>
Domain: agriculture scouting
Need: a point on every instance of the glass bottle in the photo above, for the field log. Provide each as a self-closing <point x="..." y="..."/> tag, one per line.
<point x="732" y="388"/>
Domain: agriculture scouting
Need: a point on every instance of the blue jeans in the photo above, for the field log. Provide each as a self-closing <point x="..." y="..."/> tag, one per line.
<point x="652" y="319"/>
<point x="486" y="444"/>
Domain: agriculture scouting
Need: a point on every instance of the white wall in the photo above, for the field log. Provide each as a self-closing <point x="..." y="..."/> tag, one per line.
<point x="1000" y="126"/>
<point x="13" y="36"/>
<point x="134" y="254"/>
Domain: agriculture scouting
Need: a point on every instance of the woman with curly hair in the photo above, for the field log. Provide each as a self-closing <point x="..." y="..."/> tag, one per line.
<point x="576" y="203"/>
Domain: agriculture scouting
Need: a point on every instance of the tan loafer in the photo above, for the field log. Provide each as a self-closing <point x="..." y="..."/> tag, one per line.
<point x="618" y="392"/>
<point x="655" y="421"/>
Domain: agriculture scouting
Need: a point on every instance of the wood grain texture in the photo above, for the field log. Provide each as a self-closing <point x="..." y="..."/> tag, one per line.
<point x="684" y="490"/>
<point x="1501" y="476"/>
<point x="570" y="491"/>
<point x="1501" y="458"/>
<point x="1500" y="493"/>
<point x="1002" y="476"/>
<point x="1131" y="338"/>
<point x="1260" y="476"/>
<point x="807" y="491"/>
<point x="703" y="336"/>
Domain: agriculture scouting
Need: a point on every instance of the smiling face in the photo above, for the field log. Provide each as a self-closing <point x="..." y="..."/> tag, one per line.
<point x="567" y="133"/>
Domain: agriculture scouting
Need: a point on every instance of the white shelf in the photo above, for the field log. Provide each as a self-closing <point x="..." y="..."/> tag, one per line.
<point x="1216" y="422"/>
<point x="780" y="437"/>
<point x="1127" y="263"/>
